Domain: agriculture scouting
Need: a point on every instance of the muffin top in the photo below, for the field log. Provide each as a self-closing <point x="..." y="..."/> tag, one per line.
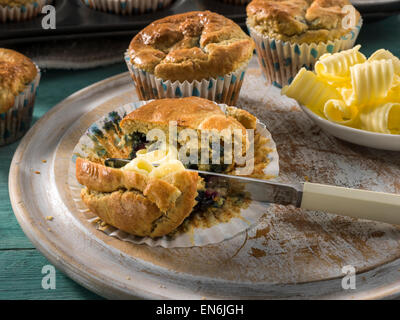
<point x="16" y="71"/>
<point x="299" y="21"/>
<point x="191" y="46"/>
<point x="190" y="112"/>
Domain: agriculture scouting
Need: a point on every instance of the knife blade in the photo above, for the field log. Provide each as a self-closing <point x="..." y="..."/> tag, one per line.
<point x="254" y="189"/>
<point x="257" y="189"/>
<point x="356" y="203"/>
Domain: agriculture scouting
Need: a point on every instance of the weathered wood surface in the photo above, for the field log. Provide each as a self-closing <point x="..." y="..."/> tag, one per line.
<point x="286" y="255"/>
<point x="288" y="245"/>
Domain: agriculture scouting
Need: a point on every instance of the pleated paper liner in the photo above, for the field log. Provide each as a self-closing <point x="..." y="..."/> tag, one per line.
<point x="281" y="60"/>
<point x="22" y="12"/>
<point x="106" y="130"/>
<point x="17" y="120"/>
<point x="127" y="7"/>
<point x="224" y="89"/>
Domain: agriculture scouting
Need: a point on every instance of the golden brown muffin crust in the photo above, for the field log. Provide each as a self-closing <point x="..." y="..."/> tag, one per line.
<point x="126" y="210"/>
<point x="155" y="211"/>
<point x="187" y="183"/>
<point x="100" y="178"/>
<point x="299" y="20"/>
<point x="191" y="112"/>
<point x="137" y="212"/>
<point x="16" y="71"/>
<point x="191" y="46"/>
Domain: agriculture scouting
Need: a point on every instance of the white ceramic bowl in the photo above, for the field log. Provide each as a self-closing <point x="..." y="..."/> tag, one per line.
<point x="362" y="137"/>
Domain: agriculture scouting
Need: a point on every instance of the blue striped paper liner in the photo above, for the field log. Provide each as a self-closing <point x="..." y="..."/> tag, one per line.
<point x="224" y="89"/>
<point x="17" y="120"/>
<point x="22" y="13"/>
<point x="281" y="60"/>
<point x="201" y="237"/>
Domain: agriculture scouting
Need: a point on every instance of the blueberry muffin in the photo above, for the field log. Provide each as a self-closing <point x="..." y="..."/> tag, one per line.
<point x="191" y="54"/>
<point x="293" y="34"/>
<point x="19" y="79"/>
<point x="154" y="193"/>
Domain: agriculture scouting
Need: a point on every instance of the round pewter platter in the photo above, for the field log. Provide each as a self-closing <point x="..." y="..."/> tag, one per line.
<point x="289" y="254"/>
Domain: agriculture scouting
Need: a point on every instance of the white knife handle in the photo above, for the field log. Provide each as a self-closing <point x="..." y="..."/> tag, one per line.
<point x="378" y="206"/>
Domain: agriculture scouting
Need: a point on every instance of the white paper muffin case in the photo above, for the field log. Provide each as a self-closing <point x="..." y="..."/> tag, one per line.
<point x="199" y="236"/>
<point x="23" y="12"/>
<point x="127" y="7"/>
<point x="224" y="89"/>
<point x="281" y="60"/>
<point x="16" y="121"/>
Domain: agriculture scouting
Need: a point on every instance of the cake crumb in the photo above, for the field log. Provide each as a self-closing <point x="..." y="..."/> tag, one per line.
<point x="49" y="218"/>
<point x="257" y="253"/>
<point x="306" y="178"/>
<point x="162" y="286"/>
<point x="203" y="298"/>
<point x="37" y="172"/>
<point x="44" y="161"/>
<point x="48" y="229"/>
<point x="128" y="278"/>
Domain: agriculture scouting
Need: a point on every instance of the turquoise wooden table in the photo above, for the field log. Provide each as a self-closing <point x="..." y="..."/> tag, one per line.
<point x="20" y="263"/>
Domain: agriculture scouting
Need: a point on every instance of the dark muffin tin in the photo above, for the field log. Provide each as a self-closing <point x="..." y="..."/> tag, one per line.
<point x="75" y="20"/>
<point x="378" y="9"/>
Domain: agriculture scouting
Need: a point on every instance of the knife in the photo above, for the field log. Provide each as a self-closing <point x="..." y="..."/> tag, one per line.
<point x="362" y="204"/>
